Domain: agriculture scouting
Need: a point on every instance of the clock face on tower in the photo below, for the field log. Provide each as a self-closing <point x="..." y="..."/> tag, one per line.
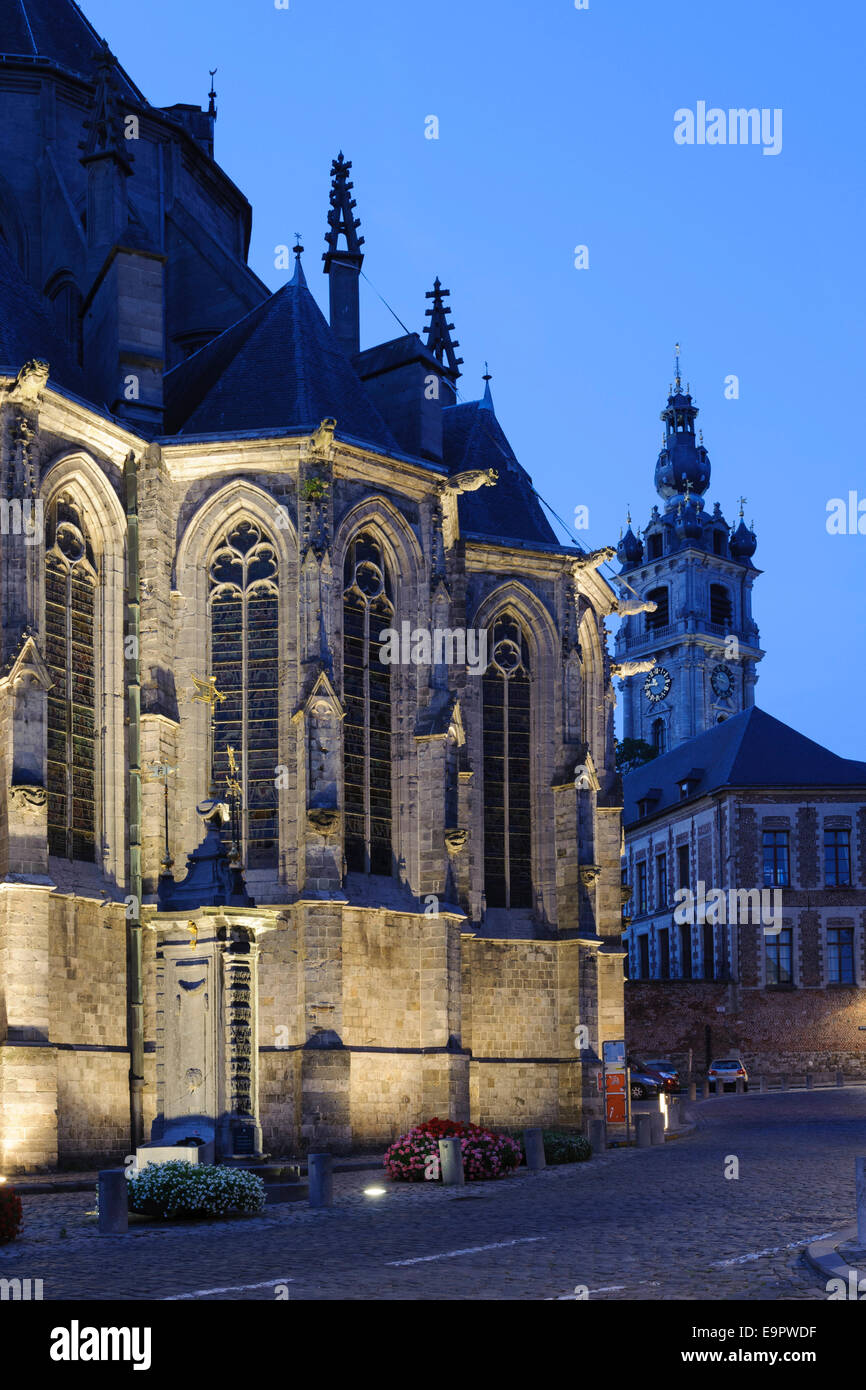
<point x="657" y="684"/>
<point x="722" y="682"/>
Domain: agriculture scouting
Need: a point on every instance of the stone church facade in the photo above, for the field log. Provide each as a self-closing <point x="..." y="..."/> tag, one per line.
<point x="214" y="507"/>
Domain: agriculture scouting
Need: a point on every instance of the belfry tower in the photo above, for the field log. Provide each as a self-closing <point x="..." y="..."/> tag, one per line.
<point x="697" y="573"/>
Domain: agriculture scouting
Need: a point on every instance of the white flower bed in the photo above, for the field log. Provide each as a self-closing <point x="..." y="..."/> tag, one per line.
<point x="182" y="1189"/>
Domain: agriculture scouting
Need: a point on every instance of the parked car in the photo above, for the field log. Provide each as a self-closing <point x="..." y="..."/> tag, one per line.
<point x="644" y="1080"/>
<point x="667" y="1070"/>
<point x="725" y="1072"/>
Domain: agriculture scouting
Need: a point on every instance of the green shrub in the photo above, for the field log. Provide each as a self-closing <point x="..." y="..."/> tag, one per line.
<point x="178" y="1190"/>
<point x="565" y="1148"/>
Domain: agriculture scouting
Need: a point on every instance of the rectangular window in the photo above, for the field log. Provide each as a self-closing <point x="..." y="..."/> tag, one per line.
<point x="837" y="857"/>
<point x="643" y="957"/>
<point x="683" y="865"/>
<point x="709" y="952"/>
<point x="641" y="886"/>
<point x="664" y="954"/>
<point x="685" y="951"/>
<point x="776" y="859"/>
<point x="661" y="880"/>
<point x="840" y="955"/>
<point x="779" y="957"/>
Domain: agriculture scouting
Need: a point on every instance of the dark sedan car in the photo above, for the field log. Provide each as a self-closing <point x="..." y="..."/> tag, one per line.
<point x="645" y="1080"/>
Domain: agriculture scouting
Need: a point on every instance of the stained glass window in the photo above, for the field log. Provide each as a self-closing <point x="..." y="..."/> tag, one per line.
<point x="70" y="601"/>
<point x="507" y="822"/>
<point x="367" y="612"/>
<point x="244" y="608"/>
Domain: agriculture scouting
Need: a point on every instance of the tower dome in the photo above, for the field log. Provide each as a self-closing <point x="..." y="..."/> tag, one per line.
<point x="630" y="549"/>
<point x="682" y="460"/>
<point x="744" y="542"/>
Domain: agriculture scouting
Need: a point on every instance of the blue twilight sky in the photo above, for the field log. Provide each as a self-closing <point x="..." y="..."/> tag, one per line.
<point x="556" y="130"/>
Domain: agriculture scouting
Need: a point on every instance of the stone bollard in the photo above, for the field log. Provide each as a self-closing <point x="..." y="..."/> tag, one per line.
<point x="320" y="1171"/>
<point x="451" y="1162"/>
<point x="705" y="1090"/>
<point x="533" y="1146"/>
<point x="643" y="1130"/>
<point x="761" y="1085"/>
<point x="860" y="1170"/>
<point x="597" y="1136"/>
<point x="741" y="1085"/>
<point x="673" y="1112"/>
<point x="657" y="1127"/>
<point x="840" y="1078"/>
<point x="783" y="1082"/>
<point x="113" y="1202"/>
<point x="810" y="1080"/>
<point x="693" y="1090"/>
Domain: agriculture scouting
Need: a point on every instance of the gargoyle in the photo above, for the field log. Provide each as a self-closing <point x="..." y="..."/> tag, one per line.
<point x="626" y="606"/>
<point x="471" y="480"/>
<point x="595" y="558"/>
<point x="632" y="668"/>
<point x="29" y="382"/>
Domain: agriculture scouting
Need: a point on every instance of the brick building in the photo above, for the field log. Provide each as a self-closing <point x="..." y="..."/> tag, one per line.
<point x="214" y="504"/>
<point x="746" y="860"/>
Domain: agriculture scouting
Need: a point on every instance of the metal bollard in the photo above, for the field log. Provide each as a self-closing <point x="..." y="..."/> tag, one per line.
<point x="783" y="1082"/>
<point x="643" y="1130"/>
<point x="533" y="1146"/>
<point x="741" y="1085"/>
<point x="693" y="1090"/>
<point x="761" y="1085"/>
<point x="597" y="1136"/>
<point x="657" y="1128"/>
<point x="451" y="1162"/>
<point x="673" y="1112"/>
<point x="705" y="1090"/>
<point x="840" y="1078"/>
<point x="810" y="1080"/>
<point x="860" y="1170"/>
<point x="320" y="1171"/>
<point x="113" y="1202"/>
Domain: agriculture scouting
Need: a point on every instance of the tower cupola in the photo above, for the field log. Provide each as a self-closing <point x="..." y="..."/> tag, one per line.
<point x="682" y="458"/>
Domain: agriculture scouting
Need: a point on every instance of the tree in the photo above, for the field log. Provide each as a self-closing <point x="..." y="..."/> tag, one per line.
<point x="632" y="753"/>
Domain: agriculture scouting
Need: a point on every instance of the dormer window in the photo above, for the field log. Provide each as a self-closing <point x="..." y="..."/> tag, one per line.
<point x="690" y="783"/>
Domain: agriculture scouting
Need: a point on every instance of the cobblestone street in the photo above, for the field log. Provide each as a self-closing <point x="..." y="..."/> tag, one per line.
<point x="632" y="1225"/>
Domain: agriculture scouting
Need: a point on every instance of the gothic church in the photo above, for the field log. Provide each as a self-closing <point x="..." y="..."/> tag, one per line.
<point x="214" y="501"/>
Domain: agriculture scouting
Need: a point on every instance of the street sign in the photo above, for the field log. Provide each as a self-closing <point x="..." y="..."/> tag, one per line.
<point x="613" y="1055"/>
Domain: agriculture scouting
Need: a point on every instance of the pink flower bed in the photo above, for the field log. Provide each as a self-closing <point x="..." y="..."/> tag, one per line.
<point x="415" y="1155"/>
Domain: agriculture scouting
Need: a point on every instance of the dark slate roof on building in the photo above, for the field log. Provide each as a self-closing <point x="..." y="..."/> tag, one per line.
<point x="279" y="368"/>
<point x="27" y="330"/>
<point x="55" y="30"/>
<point x="508" y="511"/>
<point x="751" y="749"/>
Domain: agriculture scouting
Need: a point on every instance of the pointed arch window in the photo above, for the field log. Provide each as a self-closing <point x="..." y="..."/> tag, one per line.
<point x="507" y="777"/>
<point x="244" y="658"/>
<point x="70" y="609"/>
<point x="367" y="610"/>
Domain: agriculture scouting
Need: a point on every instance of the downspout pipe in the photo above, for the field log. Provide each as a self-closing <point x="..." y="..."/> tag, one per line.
<point x="134" y="953"/>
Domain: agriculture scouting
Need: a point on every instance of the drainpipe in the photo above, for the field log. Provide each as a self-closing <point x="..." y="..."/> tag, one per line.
<point x="134" y="967"/>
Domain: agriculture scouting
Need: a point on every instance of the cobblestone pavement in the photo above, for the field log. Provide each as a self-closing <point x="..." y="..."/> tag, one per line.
<point x="663" y="1223"/>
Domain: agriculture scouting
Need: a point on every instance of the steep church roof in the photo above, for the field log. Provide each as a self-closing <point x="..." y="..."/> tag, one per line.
<point x="508" y="511"/>
<point x="279" y="368"/>
<point x="27" y="330"/>
<point x="751" y="749"/>
<point x="54" y="30"/>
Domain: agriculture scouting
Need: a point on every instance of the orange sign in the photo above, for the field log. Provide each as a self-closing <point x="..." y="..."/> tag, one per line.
<point x="615" y="1081"/>
<point x="615" y="1103"/>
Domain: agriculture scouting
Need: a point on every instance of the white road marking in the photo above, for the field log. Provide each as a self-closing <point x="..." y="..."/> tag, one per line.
<point x="471" y="1250"/>
<point x="231" y="1288"/>
<point x="608" y="1288"/>
<point x="776" y="1250"/>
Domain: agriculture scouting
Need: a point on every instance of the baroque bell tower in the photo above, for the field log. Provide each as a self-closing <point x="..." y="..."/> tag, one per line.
<point x="686" y="585"/>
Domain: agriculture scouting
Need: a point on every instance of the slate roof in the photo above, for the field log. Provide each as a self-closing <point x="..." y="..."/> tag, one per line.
<point x="279" y="368"/>
<point x="751" y="749"/>
<point x="56" y="30"/>
<point x="27" y="330"/>
<point x="508" y="511"/>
